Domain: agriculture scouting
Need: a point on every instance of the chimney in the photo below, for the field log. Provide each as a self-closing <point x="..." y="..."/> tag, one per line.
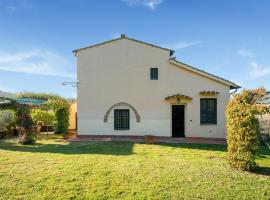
<point x="123" y="35"/>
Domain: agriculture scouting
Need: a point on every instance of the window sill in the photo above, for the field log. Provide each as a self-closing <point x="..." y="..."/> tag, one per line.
<point x="208" y="124"/>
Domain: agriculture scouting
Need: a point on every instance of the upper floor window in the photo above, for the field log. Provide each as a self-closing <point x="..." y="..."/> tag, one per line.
<point x="208" y="108"/>
<point x="121" y="119"/>
<point x="154" y="73"/>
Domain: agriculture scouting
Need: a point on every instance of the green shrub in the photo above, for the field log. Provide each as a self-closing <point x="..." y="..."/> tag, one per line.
<point x="62" y="121"/>
<point x="242" y="131"/>
<point x="62" y="109"/>
<point x="243" y="128"/>
<point x="42" y="117"/>
<point x="59" y="105"/>
<point x="7" y="120"/>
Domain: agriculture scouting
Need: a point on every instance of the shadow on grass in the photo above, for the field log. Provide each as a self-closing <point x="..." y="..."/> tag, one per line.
<point x="264" y="151"/>
<point x="104" y="148"/>
<point x="205" y="147"/>
<point x="112" y="148"/>
<point x="262" y="171"/>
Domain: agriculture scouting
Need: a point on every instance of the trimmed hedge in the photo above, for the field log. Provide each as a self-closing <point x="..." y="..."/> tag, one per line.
<point x="41" y="96"/>
<point x="243" y="132"/>
<point x="62" y="109"/>
<point x="62" y="121"/>
<point x="243" y="128"/>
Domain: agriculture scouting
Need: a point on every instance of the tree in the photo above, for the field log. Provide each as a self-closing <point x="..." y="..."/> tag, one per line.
<point x="243" y="128"/>
<point x="25" y="124"/>
<point x="59" y="105"/>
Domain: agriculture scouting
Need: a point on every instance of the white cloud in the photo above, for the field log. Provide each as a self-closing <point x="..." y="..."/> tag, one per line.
<point x="38" y="61"/>
<point x="152" y="4"/>
<point x="258" y="71"/>
<point x="10" y="9"/>
<point x="182" y="45"/>
<point x="245" y="53"/>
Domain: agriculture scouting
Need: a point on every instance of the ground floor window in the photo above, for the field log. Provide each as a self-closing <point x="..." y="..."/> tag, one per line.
<point x="208" y="107"/>
<point x="121" y="119"/>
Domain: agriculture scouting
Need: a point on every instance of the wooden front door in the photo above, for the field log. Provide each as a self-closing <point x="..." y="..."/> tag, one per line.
<point x="178" y="121"/>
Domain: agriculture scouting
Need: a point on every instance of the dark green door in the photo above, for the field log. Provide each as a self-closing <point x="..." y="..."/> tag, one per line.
<point x="178" y="121"/>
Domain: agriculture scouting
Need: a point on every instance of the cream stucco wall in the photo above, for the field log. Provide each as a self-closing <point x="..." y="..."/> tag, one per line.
<point x="72" y="116"/>
<point x="119" y="71"/>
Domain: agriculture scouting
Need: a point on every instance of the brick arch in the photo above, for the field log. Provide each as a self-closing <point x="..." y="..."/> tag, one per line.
<point x="106" y="116"/>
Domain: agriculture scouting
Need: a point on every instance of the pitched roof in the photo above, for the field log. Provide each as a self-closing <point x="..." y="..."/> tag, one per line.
<point x="203" y="73"/>
<point x="124" y="37"/>
<point x="172" y="60"/>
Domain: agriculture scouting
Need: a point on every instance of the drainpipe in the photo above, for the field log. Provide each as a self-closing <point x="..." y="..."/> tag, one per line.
<point x="233" y="92"/>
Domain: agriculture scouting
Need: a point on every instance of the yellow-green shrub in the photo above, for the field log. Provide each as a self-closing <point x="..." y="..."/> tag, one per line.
<point x="42" y="116"/>
<point x="243" y="128"/>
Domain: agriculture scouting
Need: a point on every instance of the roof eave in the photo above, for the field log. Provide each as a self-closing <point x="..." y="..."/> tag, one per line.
<point x="145" y="43"/>
<point x="206" y="74"/>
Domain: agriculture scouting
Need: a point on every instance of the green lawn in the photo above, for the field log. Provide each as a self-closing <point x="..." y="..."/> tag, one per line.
<point x="56" y="170"/>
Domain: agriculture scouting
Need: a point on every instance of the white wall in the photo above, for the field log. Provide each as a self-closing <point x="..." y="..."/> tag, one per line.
<point x="120" y="72"/>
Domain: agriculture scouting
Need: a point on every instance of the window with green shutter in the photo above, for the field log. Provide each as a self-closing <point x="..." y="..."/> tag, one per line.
<point x="208" y="107"/>
<point x="121" y="119"/>
<point x="154" y="73"/>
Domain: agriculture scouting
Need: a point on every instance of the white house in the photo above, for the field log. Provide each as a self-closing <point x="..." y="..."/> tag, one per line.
<point x="129" y="87"/>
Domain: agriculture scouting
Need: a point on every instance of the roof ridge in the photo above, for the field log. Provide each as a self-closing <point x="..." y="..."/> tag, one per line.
<point x="124" y="37"/>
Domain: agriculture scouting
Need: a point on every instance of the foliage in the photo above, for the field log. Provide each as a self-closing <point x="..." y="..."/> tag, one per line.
<point x="243" y="128"/>
<point x="7" y="120"/>
<point x="62" y="109"/>
<point x="25" y="124"/>
<point x="41" y="96"/>
<point x="118" y="170"/>
<point x="62" y="121"/>
<point x="59" y="105"/>
<point x="26" y="136"/>
<point x="42" y="117"/>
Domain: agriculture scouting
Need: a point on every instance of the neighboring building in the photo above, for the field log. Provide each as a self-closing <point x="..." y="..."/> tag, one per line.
<point x="266" y="99"/>
<point x="129" y="87"/>
<point x="73" y="116"/>
<point x="265" y="119"/>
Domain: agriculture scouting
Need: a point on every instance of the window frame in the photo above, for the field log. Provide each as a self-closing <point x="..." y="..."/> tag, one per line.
<point x="212" y="120"/>
<point x="123" y="125"/>
<point x="153" y="73"/>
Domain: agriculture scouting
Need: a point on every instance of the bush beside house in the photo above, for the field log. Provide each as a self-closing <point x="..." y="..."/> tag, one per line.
<point x="243" y="128"/>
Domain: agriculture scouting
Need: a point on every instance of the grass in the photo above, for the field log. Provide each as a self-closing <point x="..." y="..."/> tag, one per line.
<point x="53" y="169"/>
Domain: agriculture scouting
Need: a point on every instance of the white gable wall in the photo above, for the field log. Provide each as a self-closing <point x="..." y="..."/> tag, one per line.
<point x="119" y="71"/>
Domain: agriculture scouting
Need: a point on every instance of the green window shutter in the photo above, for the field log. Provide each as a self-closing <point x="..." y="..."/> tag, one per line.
<point x="121" y="119"/>
<point x="208" y="111"/>
<point x="154" y="73"/>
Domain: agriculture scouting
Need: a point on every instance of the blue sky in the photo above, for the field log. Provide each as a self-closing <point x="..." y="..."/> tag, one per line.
<point x="229" y="38"/>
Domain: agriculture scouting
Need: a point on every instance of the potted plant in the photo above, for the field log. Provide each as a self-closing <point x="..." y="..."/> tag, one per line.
<point x="149" y="139"/>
